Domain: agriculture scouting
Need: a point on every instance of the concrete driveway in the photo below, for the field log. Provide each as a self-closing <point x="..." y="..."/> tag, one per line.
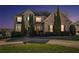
<point x="69" y="43"/>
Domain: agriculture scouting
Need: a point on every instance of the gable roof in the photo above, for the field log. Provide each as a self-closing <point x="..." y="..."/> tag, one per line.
<point x="36" y="13"/>
<point x="63" y="17"/>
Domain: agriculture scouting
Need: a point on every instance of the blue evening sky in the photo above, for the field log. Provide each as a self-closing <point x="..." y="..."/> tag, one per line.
<point x="7" y="12"/>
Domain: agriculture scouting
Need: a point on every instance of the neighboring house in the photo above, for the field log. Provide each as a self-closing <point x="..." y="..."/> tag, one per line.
<point x="77" y="27"/>
<point x="41" y="22"/>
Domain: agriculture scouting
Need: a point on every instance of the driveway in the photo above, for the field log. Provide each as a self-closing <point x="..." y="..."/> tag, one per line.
<point x="69" y="43"/>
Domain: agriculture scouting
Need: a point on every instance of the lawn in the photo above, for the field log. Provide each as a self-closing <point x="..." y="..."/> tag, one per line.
<point x="36" y="48"/>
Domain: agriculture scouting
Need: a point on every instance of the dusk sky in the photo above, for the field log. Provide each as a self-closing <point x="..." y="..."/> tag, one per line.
<point x="7" y="12"/>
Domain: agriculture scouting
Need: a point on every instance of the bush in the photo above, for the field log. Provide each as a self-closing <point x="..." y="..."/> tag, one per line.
<point x="17" y="34"/>
<point x="72" y="29"/>
<point x="66" y="33"/>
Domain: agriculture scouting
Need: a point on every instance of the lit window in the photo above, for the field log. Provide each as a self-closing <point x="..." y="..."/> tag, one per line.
<point x="18" y="27"/>
<point x="51" y="28"/>
<point x="19" y="19"/>
<point x="62" y="27"/>
<point x="38" y="28"/>
<point x="38" y="19"/>
<point x="28" y="18"/>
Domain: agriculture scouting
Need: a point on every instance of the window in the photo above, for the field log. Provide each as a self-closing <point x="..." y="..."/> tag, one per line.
<point x="38" y="28"/>
<point x="50" y="28"/>
<point x="38" y="19"/>
<point x="19" y="19"/>
<point x="28" y="18"/>
<point x="62" y="27"/>
<point x="18" y="27"/>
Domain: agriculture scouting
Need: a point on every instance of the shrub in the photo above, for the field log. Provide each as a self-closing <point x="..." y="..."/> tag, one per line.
<point x="72" y="30"/>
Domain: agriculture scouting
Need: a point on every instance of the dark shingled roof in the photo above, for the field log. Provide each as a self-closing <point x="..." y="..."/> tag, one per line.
<point x="37" y="13"/>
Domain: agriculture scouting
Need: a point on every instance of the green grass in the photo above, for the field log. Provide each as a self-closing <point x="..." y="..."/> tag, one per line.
<point x="36" y="48"/>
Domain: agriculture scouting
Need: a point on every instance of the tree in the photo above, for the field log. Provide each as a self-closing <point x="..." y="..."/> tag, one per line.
<point x="31" y="25"/>
<point x="72" y="29"/>
<point x="57" y="23"/>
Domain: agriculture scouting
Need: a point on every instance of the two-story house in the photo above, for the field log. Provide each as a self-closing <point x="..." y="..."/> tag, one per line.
<point x="22" y="22"/>
<point x="39" y="22"/>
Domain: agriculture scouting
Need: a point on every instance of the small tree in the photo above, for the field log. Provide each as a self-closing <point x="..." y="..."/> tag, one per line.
<point x="72" y="30"/>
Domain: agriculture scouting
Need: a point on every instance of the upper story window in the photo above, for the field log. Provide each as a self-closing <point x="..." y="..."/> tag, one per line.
<point x="38" y="19"/>
<point x="28" y="18"/>
<point x="19" y="19"/>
